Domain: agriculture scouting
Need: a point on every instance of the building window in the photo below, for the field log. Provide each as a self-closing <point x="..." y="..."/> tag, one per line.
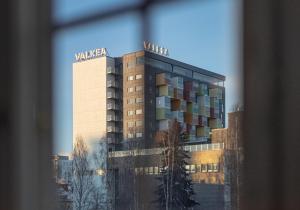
<point x="156" y="171"/>
<point x="187" y="168"/>
<point x="209" y="167"/>
<point x="140" y="60"/>
<point x="138" y="88"/>
<point x="130" y="78"/>
<point x="139" y="135"/>
<point x="216" y="167"/>
<point x="139" y="100"/>
<point x="136" y="171"/>
<point x="130" y="112"/>
<point x="138" y="76"/>
<point x="138" y="123"/>
<point x="182" y="71"/>
<point x="198" y="168"/>
<point x="146" y="170"/>
<point x="130" y="135"/>
<point x="109" y="128"/>
<point x="130" y="89"/>
<point x="141" y="171"/>
<point x="158" y="64"/>
<point x="203" y="168"/>
<point x="109" y="117"/>
<point x="193" y="168"/>
<point x="139" y="111"/>
<point x="130" y="101"/>
<point x="150" y="170"/>
<point x="131" y="64"/>
<point x="130" y="124"/>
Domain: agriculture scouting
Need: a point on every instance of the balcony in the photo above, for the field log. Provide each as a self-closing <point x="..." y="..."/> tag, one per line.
<point x="112" y="70"/>
<point x="112" y="106"/>
<point x="113" y="84"/>
<point x="113" y="118"/>
<point x="113" y="129"/>
<point x="113" y="95"/>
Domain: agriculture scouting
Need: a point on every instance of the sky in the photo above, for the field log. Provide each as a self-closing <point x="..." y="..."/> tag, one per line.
<point x="201" y="33"/>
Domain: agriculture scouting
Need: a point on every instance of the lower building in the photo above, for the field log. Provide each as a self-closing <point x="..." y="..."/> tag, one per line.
<point x="214" y="169"/>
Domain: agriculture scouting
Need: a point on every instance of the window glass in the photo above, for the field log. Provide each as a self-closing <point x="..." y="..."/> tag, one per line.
<point x="140" y="60"/>
<point x="146" y="170"/>
<point x="193" y="168"/>
<point x="215" y="167"/>
<point x="130" y="124"/>
<point x="139" y="135"/>
<point x="131" y="64"/>
<point x="198" y="168"/>
<point x="205" y="78"/>
<point x="130" y="89"/>
<point x="138" y="76"/>
<point x="130" y="112"/>
<point x="130" y="101"/>
<point x="187" y="168"/>
<point x="156" y="170"/>
<point x="158" y="64"/>
<point x="139" y="100"/>
<point x="130" y="135"/>
<point x="150" y="169"/>
<point x="203" y="167"/>
<point x="139" y="111"/>
<point x="209" y="167"/>
<point x="182" y="71"/>
<point x="141" y="170"/>
<point x="138" y="88"/>
<point x="139" y="123"/>
<point x="129" y="78"/>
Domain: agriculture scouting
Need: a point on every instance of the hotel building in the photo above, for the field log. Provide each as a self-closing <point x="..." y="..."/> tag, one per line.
<point x="126" y="100"/>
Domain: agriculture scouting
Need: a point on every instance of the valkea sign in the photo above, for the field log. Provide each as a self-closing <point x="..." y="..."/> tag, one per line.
<point x="156" y="49"/>
<point x="82" y="56"/>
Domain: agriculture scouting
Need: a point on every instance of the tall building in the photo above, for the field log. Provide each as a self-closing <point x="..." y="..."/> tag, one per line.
<point x="157" y="89"/>
<point x="126" y="100"/>
<point x="97" y="98"/>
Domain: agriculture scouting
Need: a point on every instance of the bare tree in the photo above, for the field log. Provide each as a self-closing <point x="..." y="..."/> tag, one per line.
<point x="100" y="195"/>
<point x="82" y="177"/>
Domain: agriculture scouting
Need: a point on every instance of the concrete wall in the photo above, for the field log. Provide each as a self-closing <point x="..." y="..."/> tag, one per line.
<point x="89" y="100"/>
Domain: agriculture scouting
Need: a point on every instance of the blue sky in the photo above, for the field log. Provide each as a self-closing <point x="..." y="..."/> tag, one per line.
<point x="201" y="33"/>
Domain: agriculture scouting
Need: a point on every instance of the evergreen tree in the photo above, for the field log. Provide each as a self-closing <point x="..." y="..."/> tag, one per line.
<point x="175" y="187"/>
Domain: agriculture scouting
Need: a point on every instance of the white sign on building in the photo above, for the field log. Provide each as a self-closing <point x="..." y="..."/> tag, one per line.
<point x="156" y="49"/>
<point x="82" y="56"/>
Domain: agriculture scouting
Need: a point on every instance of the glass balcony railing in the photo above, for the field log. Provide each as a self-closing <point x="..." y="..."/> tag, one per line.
<point x="113" y="95"/>
<point x="113" y="84"/>
<point x="158" y="151"/>
<point x="112" y="70"/>
<point x="113" y="129"/>
<point x="112" y="106"/>
<point x="113" y="118"/>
